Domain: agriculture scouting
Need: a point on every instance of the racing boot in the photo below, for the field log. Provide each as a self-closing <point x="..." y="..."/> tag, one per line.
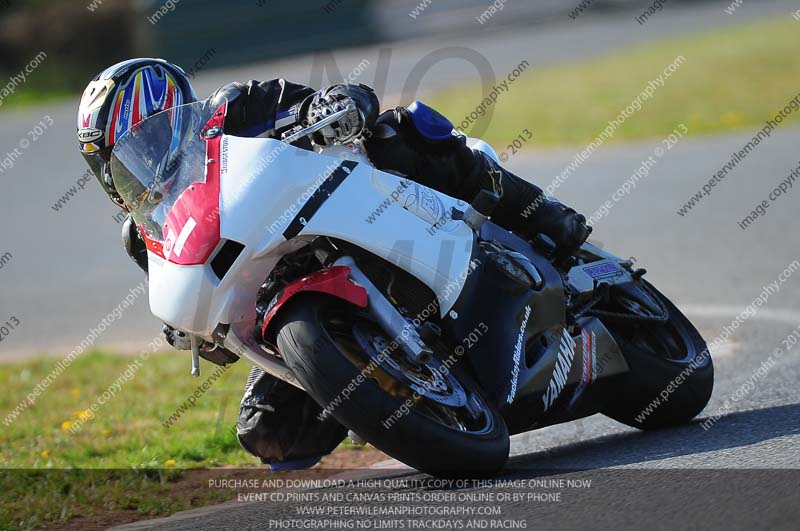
<point x="525" y="209"/>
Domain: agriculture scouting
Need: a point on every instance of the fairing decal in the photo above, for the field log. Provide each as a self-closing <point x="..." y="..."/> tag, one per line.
<point x="318" y="198"/>
<point x="589" y="349"/>
<point x="561" y="370"/>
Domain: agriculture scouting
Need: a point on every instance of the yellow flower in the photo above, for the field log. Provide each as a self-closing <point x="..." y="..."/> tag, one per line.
<point x="170" y="463"/>
<point x="105" y="433"/>
<point x="66" y="425"/>
<point x="84" y="414"/>
<point x="75" y="393"/>
<point x="732" y="119"/>
<point x="45" y="453"/>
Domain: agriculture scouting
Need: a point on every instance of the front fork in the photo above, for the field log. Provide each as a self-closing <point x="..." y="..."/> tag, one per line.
<point x="391" y="320"/>
<point x="240" y="338"/>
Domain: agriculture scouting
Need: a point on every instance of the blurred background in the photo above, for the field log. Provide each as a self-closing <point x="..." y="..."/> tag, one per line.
<point x="576" y="65"/>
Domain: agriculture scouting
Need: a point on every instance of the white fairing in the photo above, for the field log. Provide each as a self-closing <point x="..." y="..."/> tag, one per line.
<point x="264" y="184"/>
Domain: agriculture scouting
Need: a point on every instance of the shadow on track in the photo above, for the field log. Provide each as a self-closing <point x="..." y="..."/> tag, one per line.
<point x="731" y="431"/>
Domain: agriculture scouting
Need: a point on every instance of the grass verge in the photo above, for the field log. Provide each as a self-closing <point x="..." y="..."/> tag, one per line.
<point x="126" y="435"/>
<point x="124" y="463"/>
<point x="127" y="430"/>
<point x="734" y="78"/>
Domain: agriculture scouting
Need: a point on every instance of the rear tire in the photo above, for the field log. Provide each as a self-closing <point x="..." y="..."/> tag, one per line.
<point x="664" y="387"/>
<point x="311" y="337"/>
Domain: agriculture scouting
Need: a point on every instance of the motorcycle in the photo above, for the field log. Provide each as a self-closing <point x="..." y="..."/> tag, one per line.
<point x="406" y="314"/>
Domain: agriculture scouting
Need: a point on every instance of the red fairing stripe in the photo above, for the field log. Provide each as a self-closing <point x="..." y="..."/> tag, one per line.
<point x="333" y="281"/>
<point x="154" y="246"/>
<point x="192" y="229"/>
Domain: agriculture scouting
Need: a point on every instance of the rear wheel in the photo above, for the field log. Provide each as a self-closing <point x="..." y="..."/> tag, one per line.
<point x="430" y="416"/>
<point x="671" y="373"/>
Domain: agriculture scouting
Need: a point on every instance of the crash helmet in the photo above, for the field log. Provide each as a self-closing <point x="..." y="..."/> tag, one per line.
<point x="118" y="98"/>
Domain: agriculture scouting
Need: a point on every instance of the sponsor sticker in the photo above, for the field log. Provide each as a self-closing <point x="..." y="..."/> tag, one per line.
<point x="566" y="353"/>
<point x="604" y="270"/>
<point x="90" y="134"/>
<point x="518" y="355"/>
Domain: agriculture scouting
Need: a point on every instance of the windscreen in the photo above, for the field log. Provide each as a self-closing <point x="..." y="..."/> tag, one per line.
<point x="157" y="159"/>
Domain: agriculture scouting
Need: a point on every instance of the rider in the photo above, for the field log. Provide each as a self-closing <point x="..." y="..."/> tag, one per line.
<point x="277" y="422"/>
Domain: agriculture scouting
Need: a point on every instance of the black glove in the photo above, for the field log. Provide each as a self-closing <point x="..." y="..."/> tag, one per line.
<point x="361" y="100"/>
<point x="341" y="131"/>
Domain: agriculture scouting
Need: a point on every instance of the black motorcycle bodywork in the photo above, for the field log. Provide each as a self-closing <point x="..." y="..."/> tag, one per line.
<point x="533" y="364"/>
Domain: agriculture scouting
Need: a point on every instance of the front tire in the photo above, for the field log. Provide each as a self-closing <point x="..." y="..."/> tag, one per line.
<point x="321" y="340"/>
<point x="671" y="374"/>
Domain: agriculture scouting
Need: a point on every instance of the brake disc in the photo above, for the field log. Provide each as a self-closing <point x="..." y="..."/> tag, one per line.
<point x="432" y="379"/>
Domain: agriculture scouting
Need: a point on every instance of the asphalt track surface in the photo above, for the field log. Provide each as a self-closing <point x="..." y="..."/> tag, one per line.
<point x="67" y="273"/>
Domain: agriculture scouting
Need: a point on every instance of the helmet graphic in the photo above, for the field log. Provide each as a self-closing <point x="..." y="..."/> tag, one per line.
<point x="120" y="97"/>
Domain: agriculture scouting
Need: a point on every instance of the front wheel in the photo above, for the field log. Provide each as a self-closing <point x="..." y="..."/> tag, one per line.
<point x="432" y="417"/>
<point x="671" y="374"/>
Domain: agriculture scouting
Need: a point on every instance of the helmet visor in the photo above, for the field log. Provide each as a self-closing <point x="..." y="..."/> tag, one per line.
<point x="100" y="164"/>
